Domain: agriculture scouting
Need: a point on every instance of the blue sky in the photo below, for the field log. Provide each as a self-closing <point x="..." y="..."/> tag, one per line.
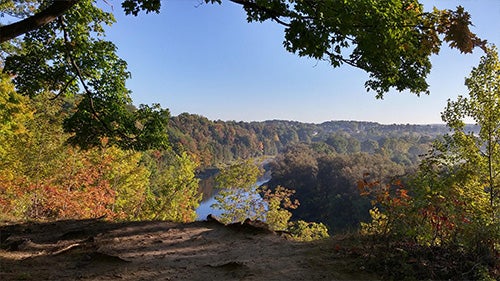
<point x="207" y="60"/>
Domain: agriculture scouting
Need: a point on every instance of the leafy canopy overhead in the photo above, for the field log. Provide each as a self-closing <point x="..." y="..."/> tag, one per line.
<point x="391" y="40"/>
<point x="68" y="56"/>
<point x="63" y="50"/>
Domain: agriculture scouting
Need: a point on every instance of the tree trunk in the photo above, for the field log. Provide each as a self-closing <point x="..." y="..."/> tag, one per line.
<point x="58" y="8"/>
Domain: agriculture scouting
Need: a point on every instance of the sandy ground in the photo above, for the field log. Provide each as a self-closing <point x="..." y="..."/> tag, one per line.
<point x="98" y="250"/>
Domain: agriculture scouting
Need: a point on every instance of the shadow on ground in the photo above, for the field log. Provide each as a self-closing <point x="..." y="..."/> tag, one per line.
<point x="206" y="250"/>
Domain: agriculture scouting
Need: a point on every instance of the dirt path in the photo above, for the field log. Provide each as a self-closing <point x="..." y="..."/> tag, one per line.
<point x="97" y="250"/>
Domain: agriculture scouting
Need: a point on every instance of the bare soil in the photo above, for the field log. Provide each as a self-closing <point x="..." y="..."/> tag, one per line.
<point x="206" y="250"/>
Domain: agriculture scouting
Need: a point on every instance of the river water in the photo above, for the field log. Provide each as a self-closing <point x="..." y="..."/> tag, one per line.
<point x="209" y="193"/>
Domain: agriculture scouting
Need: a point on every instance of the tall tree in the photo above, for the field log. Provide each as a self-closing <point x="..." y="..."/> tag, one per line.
<point x="14" y="113"/>
<point x="482" y="151"/>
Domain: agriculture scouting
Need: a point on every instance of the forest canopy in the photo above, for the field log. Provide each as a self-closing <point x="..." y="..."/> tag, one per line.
<point x="42" y="177"/>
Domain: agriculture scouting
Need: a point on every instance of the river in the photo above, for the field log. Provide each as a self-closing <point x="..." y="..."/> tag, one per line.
<point x="209" y="193"/>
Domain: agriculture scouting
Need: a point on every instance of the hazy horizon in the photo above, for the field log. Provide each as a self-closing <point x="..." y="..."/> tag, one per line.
<point x="316" y="123"/>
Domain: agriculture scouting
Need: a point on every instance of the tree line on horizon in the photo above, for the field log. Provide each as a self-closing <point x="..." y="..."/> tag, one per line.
<point x="219" y="142"/>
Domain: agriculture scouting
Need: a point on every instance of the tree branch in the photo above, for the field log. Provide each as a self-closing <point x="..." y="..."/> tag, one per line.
<point x="342" y="59"/>
<point x="80" y="76"/>
<point x="86" y="89"/>
<point x="64" y="88"/>
<point x="51" y="13"/>
<point x="250" y="4"/>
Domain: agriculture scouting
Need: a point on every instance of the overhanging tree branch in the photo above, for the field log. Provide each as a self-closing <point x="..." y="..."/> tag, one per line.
<point x="82" y="79"/>
<point x="272" y="13"/>
<point x="51" y="13"/>
<point x="64" y="88"/>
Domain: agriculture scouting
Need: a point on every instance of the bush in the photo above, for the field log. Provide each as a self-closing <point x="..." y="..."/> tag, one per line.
<point x="308" y="231"/>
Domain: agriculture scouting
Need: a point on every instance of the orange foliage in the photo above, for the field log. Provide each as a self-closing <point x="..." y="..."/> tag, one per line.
<point x="80" y="190"/>
<point x="388" y="195"/>
<point x="83" y="192"/>
<point x="397" y="204"/>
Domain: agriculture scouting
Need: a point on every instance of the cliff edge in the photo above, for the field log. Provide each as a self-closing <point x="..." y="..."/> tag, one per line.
<point x="206" y="250"/>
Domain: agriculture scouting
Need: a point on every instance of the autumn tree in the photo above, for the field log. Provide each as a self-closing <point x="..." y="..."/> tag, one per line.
<point x="129" y="180"/>
<point x="477" y="156"/>
<point x="456" y="187"/>
<point x="279" y="202"/>
<point x="14" y="115"/>
<point x="483" y="106"/>
<point x="42" y="177"/>
<point x="32" y="183"/>
<point x="172" y="191"/>
<point x="238" y="192"/>
<point x="241" y="198"/>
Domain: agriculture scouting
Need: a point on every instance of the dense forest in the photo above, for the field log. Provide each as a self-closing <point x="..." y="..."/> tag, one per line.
<point x="43" y="176"/>
<point x="322" y="163"/>
<point x="218" y="142"/>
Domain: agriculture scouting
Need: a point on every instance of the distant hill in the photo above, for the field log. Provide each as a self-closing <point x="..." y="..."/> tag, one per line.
<point x="222" y="141"/>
